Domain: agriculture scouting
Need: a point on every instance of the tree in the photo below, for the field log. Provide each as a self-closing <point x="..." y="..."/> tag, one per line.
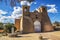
<point x="1" y="25"/>
<point x="57" y="23"/>
<point x="8" y="27"/>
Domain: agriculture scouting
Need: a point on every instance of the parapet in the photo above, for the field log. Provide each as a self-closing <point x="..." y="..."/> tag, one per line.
<point x="43" y="9"/>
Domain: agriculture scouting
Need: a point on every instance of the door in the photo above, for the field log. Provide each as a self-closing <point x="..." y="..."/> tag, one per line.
<point x="37" y="26"/>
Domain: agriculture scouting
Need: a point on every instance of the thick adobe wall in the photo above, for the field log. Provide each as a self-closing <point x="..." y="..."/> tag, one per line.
<point x="17" y="24"/>
<point x="27" y="25"/>
<point x="45" y="21"/>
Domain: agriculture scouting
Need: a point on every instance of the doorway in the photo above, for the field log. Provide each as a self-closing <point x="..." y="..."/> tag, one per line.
<point x="37" y="26"/>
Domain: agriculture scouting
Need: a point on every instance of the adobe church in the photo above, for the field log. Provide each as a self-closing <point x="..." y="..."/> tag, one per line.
<point x="37" y="21"/>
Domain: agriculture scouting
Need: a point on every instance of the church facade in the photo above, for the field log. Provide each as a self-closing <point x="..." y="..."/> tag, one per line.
<point x="37" y="21"/>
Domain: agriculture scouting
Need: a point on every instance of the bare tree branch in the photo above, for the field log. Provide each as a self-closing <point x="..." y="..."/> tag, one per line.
<point x="13" y="2"/>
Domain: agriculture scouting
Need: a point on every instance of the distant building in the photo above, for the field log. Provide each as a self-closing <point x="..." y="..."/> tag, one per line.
<point x="17" y="24"/>
<point x="37" y="21"/>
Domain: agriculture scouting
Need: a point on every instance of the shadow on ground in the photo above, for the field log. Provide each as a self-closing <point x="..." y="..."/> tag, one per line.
<point x="20" y="36"/>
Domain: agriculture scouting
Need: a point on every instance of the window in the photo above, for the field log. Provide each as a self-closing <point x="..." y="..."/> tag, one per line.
<point x="25" y="9"/>
<point x="36" y="17"/>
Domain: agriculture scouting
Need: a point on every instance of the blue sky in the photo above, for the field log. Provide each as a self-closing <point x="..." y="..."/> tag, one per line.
<point x="8" y="13"/>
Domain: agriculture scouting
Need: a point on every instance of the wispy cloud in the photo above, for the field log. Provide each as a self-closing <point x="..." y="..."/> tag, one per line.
<point x="35" y="2"/>
<point x="27" y="3"/>
<point x="52" y="9"/>
<point x="15" y="14"/>
<point x="52" y="5"/>
<point x="3" y="12"/>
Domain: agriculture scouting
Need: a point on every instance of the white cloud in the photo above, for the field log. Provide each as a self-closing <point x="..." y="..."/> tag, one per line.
<point x="3" y="12"/>
<point x="1" y="16"/>
<point x="52" y="5"/>
<point x="15" y="14"/>
<point x="25" y="3"/>
<point x="2" y="19"/>
<point x="52" y="8"/>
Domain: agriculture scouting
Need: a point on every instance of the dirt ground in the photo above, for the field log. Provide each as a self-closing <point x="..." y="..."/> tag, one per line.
<point x="35" y="36"/>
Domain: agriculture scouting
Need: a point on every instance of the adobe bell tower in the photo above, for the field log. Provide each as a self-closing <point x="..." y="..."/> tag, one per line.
<point x="45" y="21"/>
<point x="26" y="20"/>
<point x="25" y="10"/>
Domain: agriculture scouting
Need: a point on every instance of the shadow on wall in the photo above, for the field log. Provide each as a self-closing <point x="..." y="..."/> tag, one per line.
<point x="57" y="29"/>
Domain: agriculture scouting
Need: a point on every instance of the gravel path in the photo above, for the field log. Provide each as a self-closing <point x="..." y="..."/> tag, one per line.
<point x="51" y="36"/>
<point x="34" y="36"/>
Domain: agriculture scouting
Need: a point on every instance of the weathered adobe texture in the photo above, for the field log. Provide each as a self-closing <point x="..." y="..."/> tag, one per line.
<point x="17" y="24"/>
<point x="28" y="19"/>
